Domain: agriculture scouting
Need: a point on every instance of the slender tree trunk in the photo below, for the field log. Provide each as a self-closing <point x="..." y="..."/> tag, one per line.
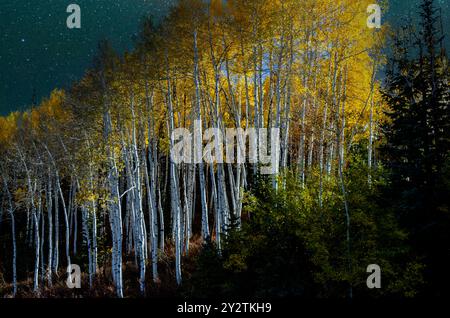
<point x="174" y="187"/>
<point x="41" y="252"/>
<point x="34" y="214"/>
<point x="87" y="239"/>
<point x="114" y="208"/>
<point x="55" y="261"/>
<point x="13" y="235"/>
<point x="49" y="199"/>
<point x="370" y="146"/>
<point x="198" y="135"/>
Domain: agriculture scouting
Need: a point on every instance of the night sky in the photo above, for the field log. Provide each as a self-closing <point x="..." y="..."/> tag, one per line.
<point x="39" y="53"/>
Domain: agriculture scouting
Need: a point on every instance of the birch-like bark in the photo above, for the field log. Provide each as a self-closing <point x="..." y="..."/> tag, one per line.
<point x="114" y="207"/>
<point x="370" y="146"/>
<point x="13" y="235"/>
<point x="174" y="187"/>
<point x="286" y="121"/>
<point x="198" y="135"/>
<point x="323" y="135"/>
<point x="55" y="260"/>
<point x="278" y="101"/>
<point x="75" y="218"/>
<point x="151" y="200"/>
<point x="42" y="242"/>
<point x="66" y="217"/>
<point x="49" y="200"/>
<point x="150" y="166"/>
<point x="87" y="239"/>
<point x="139" y="226"/>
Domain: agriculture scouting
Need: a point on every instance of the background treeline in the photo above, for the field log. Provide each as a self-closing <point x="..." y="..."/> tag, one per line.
<point x="362" y="178"/>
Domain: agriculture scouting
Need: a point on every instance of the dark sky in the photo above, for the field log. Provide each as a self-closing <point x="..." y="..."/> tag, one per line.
<point x="38" y="52"/>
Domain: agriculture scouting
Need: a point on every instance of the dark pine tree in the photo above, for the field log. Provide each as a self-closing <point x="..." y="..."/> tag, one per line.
<point x="418" y="142"/>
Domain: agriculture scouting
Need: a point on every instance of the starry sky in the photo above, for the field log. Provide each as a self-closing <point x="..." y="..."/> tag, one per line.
<point x="39" y="53"/>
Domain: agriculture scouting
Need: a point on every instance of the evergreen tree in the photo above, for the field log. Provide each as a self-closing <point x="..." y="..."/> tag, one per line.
<point x="418" y="140"/>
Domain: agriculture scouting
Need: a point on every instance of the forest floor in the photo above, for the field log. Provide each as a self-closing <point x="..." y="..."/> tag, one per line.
<point x="103" y="286"/>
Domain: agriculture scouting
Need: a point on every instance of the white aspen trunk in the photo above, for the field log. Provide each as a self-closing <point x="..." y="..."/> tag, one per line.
<point x="199" y="141"/>
<point x="94" y="240"/>
<point x="234" y="181"/>
<point x="301" y="152"/>
<point x="66" y="218"/>
<point x="187" y="218"/>
<point x="218" y="218"/>
<point x="93" y="207"/>
<point x="247" y="95"/>
<point x="370" y="146"/>
<point x="75" y="220"/>
<point x="116" y="226"/>
<point x="154" y="219"/>
<point x="239" y="192"/>
<point x="161" y="222"/>
<point x="190" y="197"/>
<point x="13" y="234"/>
<point x="132" y="230"/>
<point x="311" y="150"/>
<point x="255" y="106"/>
<point x="41" y="252"/>
<point x="70" y="210"/>
<point x="93" y="215"/>
<point x="174" y="187"/>
<point x="140" y="229"/>
<point x="150" y="164"/>
<point x="114" y="208"/>
<point x="285" y="123"/>
<point x="322" y="139"/>
<point x="261" y="86"/>
<point x="278" y="102"/>
<point x="153" y="244"/>
<point x="343" y="123"/>
<point x="334" y="99"/>
<point x="337" y="100"/>
<point x="222" y="198"/>
<point x="14" y="245"/>
<point x="330" y="151"/>
<point x="36" y="242"/>
<point x="286" y="127"/>
<point x="313" y="126"/>
<point x="186" y="213"/>
<point x="240" y="170"/>
<point x="84" y="220"/>
<point x="55" y="261"/>
<point x="347" y="223"/>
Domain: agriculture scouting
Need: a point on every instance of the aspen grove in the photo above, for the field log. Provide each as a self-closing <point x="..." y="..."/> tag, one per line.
<point x="87" y="176"/>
